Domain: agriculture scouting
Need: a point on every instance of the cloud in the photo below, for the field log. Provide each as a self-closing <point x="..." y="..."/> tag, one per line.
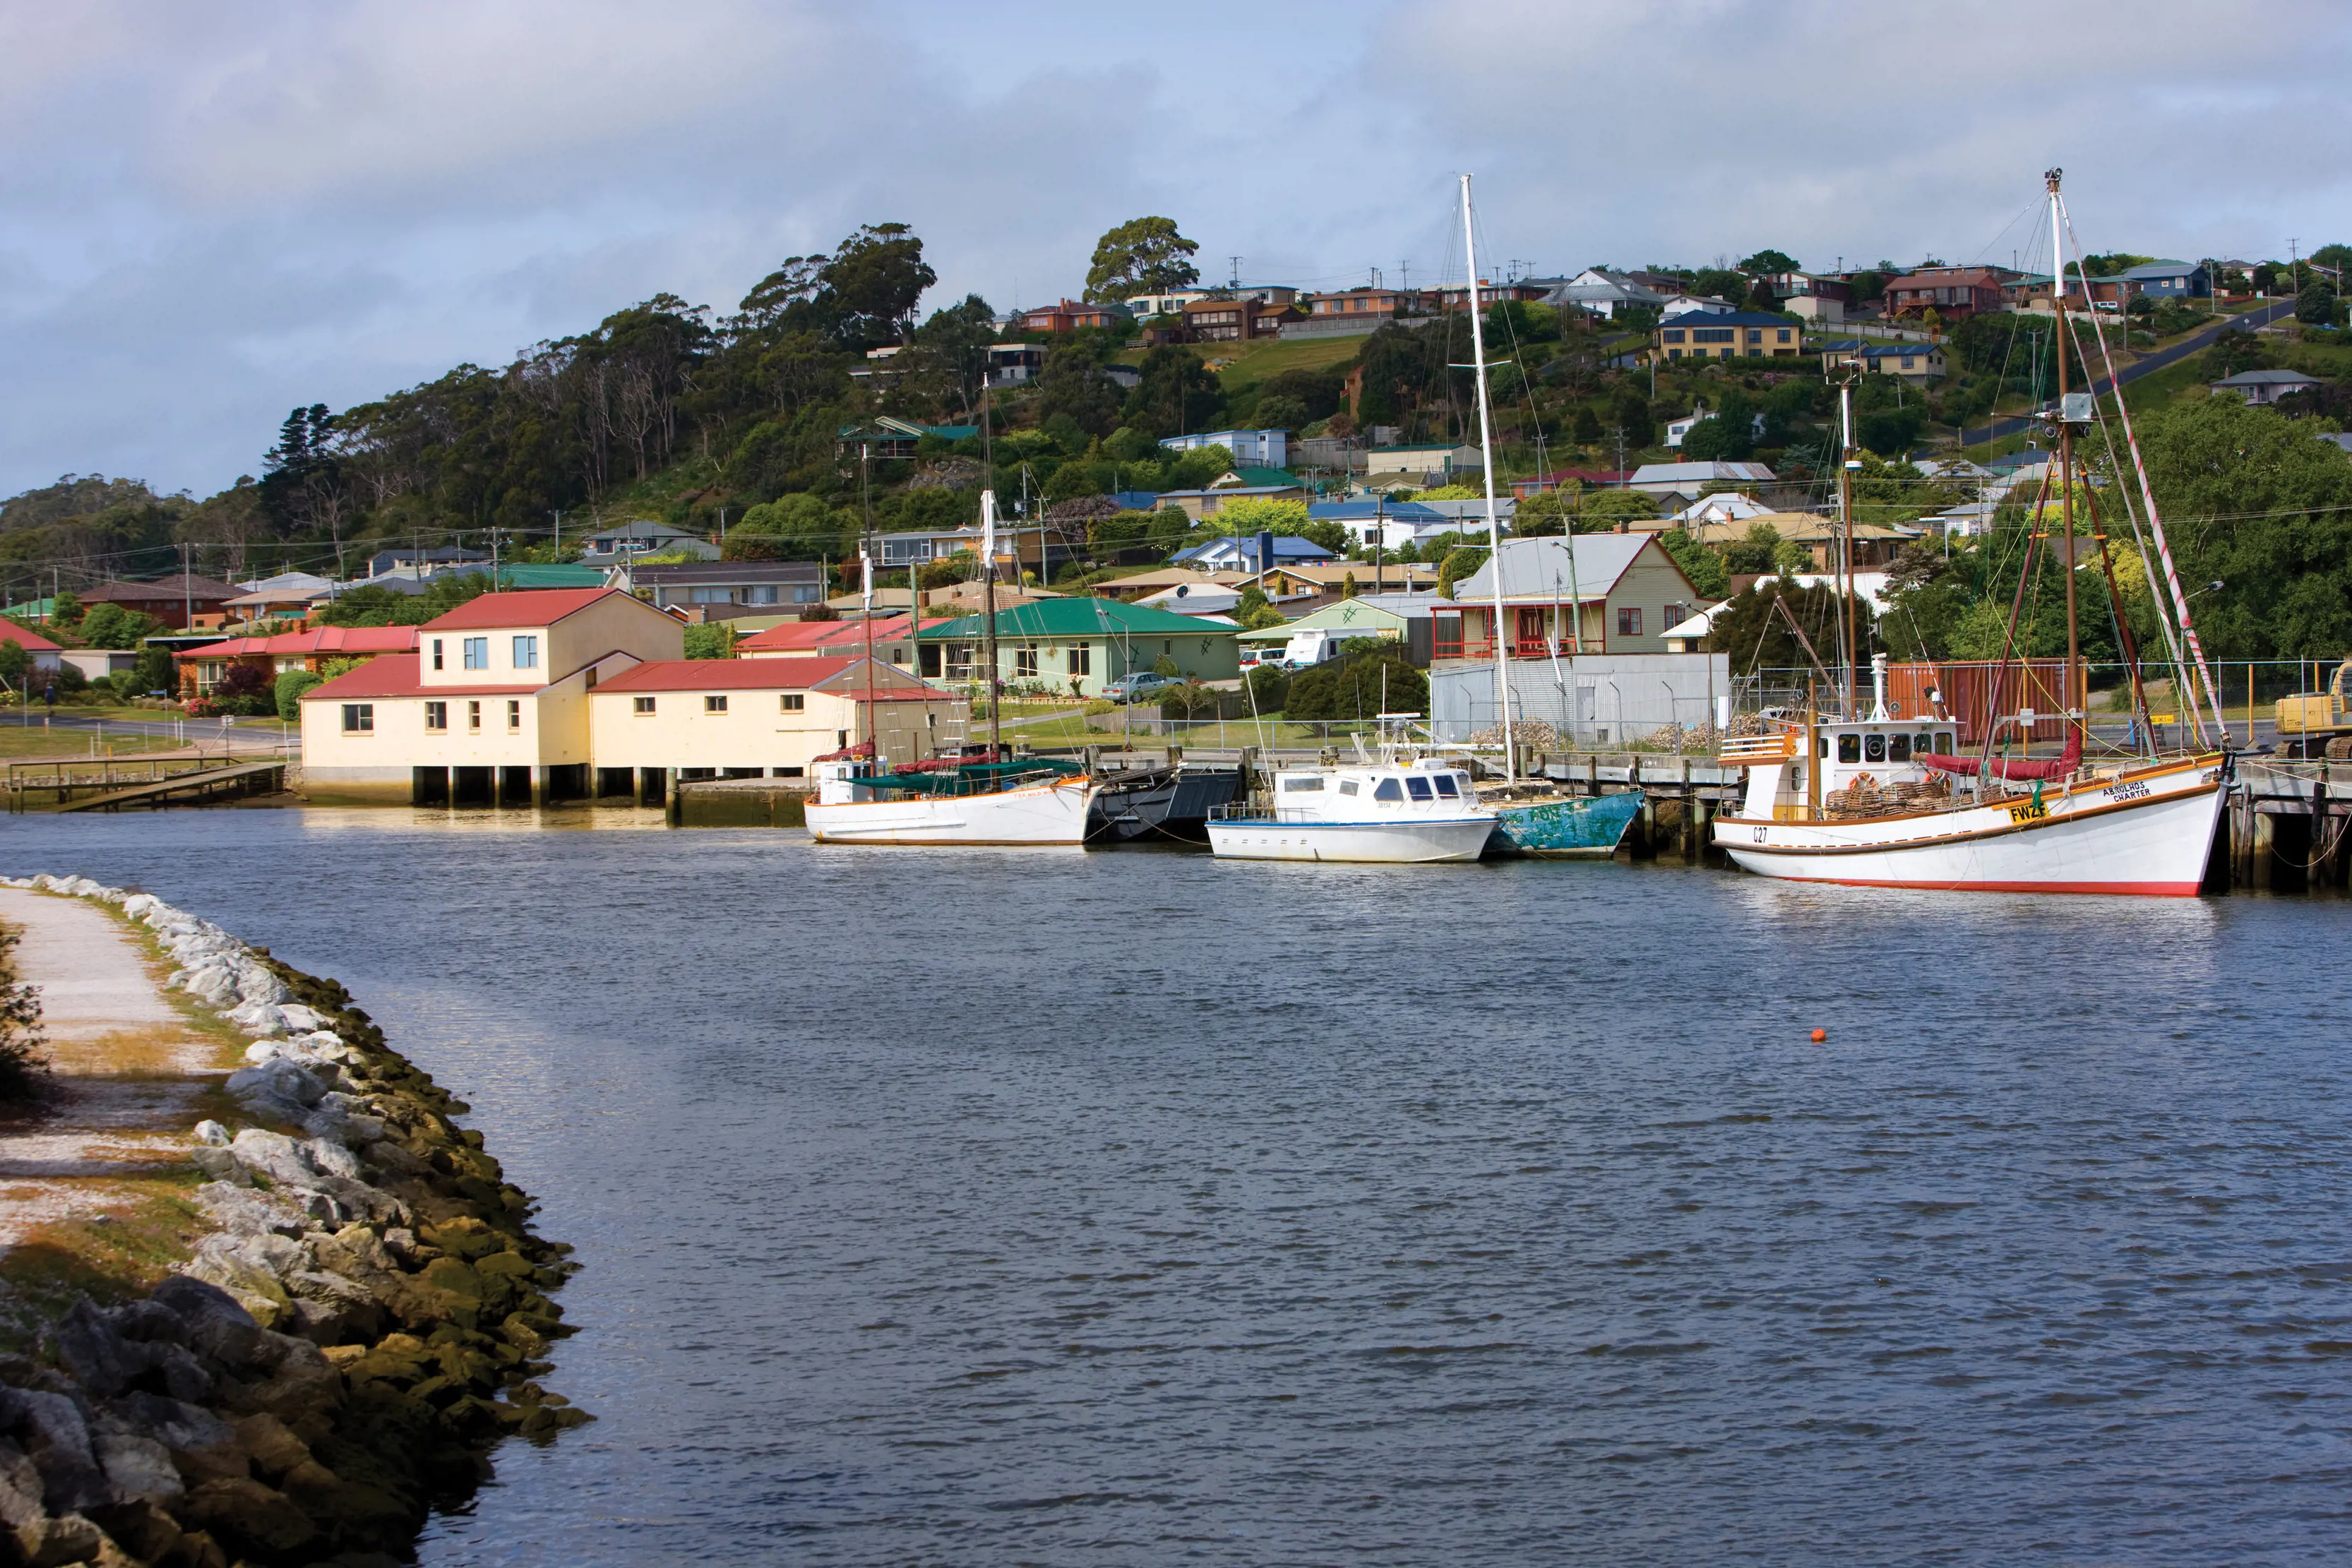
<point x="210" y="214"/>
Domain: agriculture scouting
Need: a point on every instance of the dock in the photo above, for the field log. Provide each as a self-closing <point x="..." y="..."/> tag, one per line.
<point x="2284" y="828"/>
<point x="153" y="780"/>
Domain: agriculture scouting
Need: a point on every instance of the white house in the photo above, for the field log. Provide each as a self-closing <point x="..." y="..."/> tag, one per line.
<point x="1696" y="305"/>
<point x="1251" y="448"/>
<point x="1604" y="293"/>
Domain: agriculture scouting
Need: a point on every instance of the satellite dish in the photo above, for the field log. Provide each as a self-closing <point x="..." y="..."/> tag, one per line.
<point x="1181" y="589"/>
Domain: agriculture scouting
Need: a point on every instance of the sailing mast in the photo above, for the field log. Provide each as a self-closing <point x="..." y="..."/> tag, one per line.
<point x="988" y="596"/>
<point x="2078" y="699"/>
<point x="866" y="601"/>
<point x="1486" y="467"/>
<point x="1849" y="667"/>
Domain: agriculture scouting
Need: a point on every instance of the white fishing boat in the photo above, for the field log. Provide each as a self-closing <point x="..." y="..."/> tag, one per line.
<point x="1024" y="802"/>
<point x="1394" y="809"/>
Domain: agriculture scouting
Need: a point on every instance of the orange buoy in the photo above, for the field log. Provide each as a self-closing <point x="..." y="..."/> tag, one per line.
<point x="1820" y="1035"/>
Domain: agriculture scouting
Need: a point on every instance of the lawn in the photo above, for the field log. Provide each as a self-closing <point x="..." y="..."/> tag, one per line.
<point x="1259" y="362"/>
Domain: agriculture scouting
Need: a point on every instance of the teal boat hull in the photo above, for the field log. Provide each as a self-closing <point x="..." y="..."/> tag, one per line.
<point x="1583" y="828"/>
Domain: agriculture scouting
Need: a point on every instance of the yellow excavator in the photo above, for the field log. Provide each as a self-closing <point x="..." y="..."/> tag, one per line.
<point x="2316" y="723"/>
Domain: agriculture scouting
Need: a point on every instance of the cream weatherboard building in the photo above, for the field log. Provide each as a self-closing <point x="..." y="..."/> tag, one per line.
<point x="501" y="704"/>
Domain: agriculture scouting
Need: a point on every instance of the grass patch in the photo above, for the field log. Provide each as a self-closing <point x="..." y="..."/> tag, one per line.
<point x="1259" y="362"/>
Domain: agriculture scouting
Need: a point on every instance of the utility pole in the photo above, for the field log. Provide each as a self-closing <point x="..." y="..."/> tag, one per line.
<point x="559" y="530"/>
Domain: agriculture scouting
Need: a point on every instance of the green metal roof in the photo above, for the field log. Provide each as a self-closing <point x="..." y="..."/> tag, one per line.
<point x="1080" y="618"/>
<point x="527" y="575"/>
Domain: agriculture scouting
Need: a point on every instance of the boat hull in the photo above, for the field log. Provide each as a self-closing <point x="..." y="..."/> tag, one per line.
<point x="1407" y="842"/>
<point x="1052" y="813"/>
<point x="1577" y="828"/>
<point x="2146" y="834"/>
<point x="1161" y="810"/>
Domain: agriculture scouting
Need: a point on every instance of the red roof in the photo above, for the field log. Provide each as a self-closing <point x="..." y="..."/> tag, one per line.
<point x="394" y="675"/>
<point x="31" y="642"/>
<point x="892" y="684"/>
<point x="797" y="636"/>
<point x="324" y="640"/>
<point x="522" y="607"/>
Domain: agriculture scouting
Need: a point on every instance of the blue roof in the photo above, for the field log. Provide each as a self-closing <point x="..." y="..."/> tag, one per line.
<point x="1736" y="318"/>
<point x="1353" y="511"/>
<point x="1284" y="545"/>
<point x="2165" y="269"/>
<point x="1135" y="500"/>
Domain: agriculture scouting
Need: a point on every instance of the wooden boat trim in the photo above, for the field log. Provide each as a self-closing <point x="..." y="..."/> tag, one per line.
<point x="2073" y="789"/>
<point x="1970" y="836"/>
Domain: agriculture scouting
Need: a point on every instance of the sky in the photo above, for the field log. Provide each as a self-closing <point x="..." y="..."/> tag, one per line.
<point x="212" y="213"/>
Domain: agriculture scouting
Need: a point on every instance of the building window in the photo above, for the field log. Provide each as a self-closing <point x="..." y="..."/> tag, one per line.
<point x="478" y="653"/>
<point x="1629" y="623"/>
<point x="1674" y="353"/>
<point x="1784" y="334"/>
<point x="526" y="653"/>
<point x="1676" y="614"/>
<point x="1082" y="658"/>
<point x="1712" y="334"/>
<point x="804" y="593"/>
<point x="473" y="715"/>
<point x="1907" y="361"/>
<point x="514" y="716"/>
<point x="436" y="716"/>
<point x="714" y="705"/>
<point x="711" y="596"/>
<point x="358" y="718"/>
<point x="759" y="593"/>
<point x="436" y="652"/>
<point x="644" y="704"/>
<point x="791" y="702"/>
<point x="1673" y="334"/>
<point x="1025" y="662"/>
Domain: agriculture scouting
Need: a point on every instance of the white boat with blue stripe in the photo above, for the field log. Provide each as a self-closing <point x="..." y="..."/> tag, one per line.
<point x="1395" y="811"/>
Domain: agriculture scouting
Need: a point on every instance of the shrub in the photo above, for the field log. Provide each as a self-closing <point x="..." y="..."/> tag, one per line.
<point x="1100" y="705"/>
<point x="21" y="1061"/>
<point x="291" y="685"/>
<point x="1357" y="686"/>
<point x="1269" y="689"/>
<point x="246" y="692"/>
<point x="1165" y="665"/>
<point x="1187" y="701"/>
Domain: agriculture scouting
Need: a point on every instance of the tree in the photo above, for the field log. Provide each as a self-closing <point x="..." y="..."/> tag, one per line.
<point x="291" y="686"/>
<point x="711" y="640"/>
<point x="1460" y="562"/>
<point x="1720" y="283"/>
<point x="1176" y="394"/>
<point x="1072" y="384"/>
<point x="112" y="627"/>
<point x="1361" y="683"/>
<point x="1601" y="510"/>
<point x="1544" y="515"/>
<point x="15" y="661"/>
<point x="1756" y="637"/>
<point x="1141" y="256"/>
<point x="1754" y="553"/>
<point x="1769" y="260"/>
<point x="873" y="283"/>
<point x="1761" y="298"/>
<point x="1701" y="564"/>
<point x="65" y="609"/>
<point x="2315" y="306"/>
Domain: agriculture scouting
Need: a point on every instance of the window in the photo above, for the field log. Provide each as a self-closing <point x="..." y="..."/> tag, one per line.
<point x="1922" y="743"/>
<point x="478" y="653"/>
<point x="1825" y="746"/>
<point x="1873" y="748"/>
<point x="1944" y="741"/>
<point x="1675" y="614"/>
<point x="1712" y="334"/>
<point x="1347" y="785"/>
<point x="1301" y="783"/>
<point x="1784" y="335"/>
<point x="645" y="704"/>
<point x="1898" y="749"/>
<point x="1025" y="662"/>
<point x="1755" y="334"/>
<point x="759" y="593"/>
<point x="1448" y="787"/>
<point x="711" y="595"/>
<point x="1674" y="353"/>
<point x="1673" y="334"/>
<point x="1849" y="746"/>
<point x="514" y="716"/>
<point x="1418" y="787"/>
<point x="436" y="652"/>
<point x="358" y="718"/>
<point x="714" y="705"/>
<point x="791" y="702"/>
<point x="473" y="715"/>
<point x="804" y="593"/>
<point x="593" y="675"/>
<point x="1628" y="622"/>
<point x="436" y="716"/>
<point x="526" y="653"/>
<point x="1082" y="658"/>
<point x="1389" y="789"/>
<point x="1907" y="361"/>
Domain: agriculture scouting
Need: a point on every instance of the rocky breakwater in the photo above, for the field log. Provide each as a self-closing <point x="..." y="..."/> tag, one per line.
<point x="364" y="1313"/>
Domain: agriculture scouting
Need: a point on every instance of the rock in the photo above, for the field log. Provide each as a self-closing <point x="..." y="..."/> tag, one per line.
<point x="248" y="1516"/>
<point x="217" y="1326"/>
<point x="257" y="983"/>
<point x="139" y="906"/>
<point x="70" y="1537"/>
<point x="258" y="1018"/>
<point x="219" y="1166"/>
<point x="268" y="1444"/>
<point x="242" y="1211"/>
<point x="277" y="1079"/>
<point x="329" y="1158"/>
<point x="54" y="1437"/>
<point x="300" y="1019"/>
<point x="148" y="1320"/>
<point x="20" y="1487"/>
<point x="89" y="1348"/>
<point x="329" y="1308"/>
<point x="203" y="1446"/>
<point x="138" y="1469"/>
<point x="142" y="1530"/>
<point x="212" y="1133"/>
<point x="300" y="1381"/>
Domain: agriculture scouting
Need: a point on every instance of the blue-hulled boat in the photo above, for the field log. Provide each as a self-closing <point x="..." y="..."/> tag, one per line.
<point x="1572" y="827"/>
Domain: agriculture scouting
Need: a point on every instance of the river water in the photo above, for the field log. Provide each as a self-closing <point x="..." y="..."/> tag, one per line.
<point x="1051" y="1208"/>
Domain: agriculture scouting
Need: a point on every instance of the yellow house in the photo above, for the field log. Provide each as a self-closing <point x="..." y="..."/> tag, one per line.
<point x="749" y="718"/>
<point x="491" y="706"/>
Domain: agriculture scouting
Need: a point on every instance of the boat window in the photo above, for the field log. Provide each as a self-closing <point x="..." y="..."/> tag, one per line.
<point x="1944" y="741"/>
<point x="1849" y="746"/>
<point x="1389" y="789"/>
<point x="1292" y="784"/>
<point x="1898" y="749"/>
<point x="1873" y="748"/>
<point x="1922" y="743"/>
<point x="1419" y="787"/>
<point x="1446" y="787"/>
<point x="1826" y="745"/>
<point x="1347" y="785"/>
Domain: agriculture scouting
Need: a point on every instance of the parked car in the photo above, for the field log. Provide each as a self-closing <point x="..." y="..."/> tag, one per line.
<point x="1135" y="687"/>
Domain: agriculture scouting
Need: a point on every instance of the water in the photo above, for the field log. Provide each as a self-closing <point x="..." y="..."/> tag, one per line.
<point x="989" y="1206"/>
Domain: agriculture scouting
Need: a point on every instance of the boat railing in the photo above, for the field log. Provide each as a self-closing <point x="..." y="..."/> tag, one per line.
<point x="1749" y="750"/>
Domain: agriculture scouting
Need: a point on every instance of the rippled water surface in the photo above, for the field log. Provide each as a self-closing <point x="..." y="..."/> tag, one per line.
<point x="989" y="1206"/>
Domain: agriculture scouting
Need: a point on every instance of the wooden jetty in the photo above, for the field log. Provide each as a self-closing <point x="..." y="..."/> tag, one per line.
<point x="153" y="780"/>
<point x="2284" y="826"/>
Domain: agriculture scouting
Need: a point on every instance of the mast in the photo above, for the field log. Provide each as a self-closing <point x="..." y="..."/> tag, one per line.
<point x="2077" y="697"/>
<point x="1487" y="463"/>
<point x="1847" y="462"/>
<point x="865" y="599"/>
<point x="988" y="599"/>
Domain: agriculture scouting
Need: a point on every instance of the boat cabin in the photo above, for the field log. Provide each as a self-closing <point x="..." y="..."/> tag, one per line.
<point x="1372" y="791"/>
<point x="1851" y="758"/>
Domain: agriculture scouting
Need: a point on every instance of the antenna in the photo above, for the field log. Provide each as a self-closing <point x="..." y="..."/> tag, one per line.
<point x="1235" y="280"/>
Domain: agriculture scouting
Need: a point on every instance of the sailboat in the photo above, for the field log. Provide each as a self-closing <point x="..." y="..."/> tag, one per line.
<point x="1883" y="800"/>
<point x="973" y="797"/>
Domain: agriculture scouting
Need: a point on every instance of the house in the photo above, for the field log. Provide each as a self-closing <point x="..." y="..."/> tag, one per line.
<point x="1951" y="292"/>
<point x="492" y="707"/>
<point x="418" y="562"/>
<point x="201" y="669"/>
<point x="287" y="593"/>
<point x="1684" y="636"/>
<point x="1816" y="310"/>
<point x="2170" y="279"/>
<point x="1408" y="620"/>
<point x="1145" y="584"/>
<point x="1365" y="303"/>
<point x="885" y="436"/>
<point x="1873" y="545"/>
<point x="1428" y="464"/>
<point x="1014" y="364"/>
<point x="1077" y="645"/>
<point x="1231" y="319"/>
<point x="1302" y="586"/>
<point x="1738" y="334"/>
<point x="1563" y="478"/>
<point x="893" y="640"/>
<point x="1203" y="504"/>
<point x="1917" y="362"/>
<point x="1618" y="592"/>
<point x="1168" y="302"/>
<point x="1242" y="553"/>
<point x="1070" y="315"/>
<point x="181" y="601"/>
<point x="746" y="718"/>
<point x="643" y="536"/>
<point x="1603" y="293"/>
<point x="1689" y="478"/>
<point x="1696" y="305"/>
<point x="720" y="590"/>
<point x="1393" y="524"/>
<point x="1678" y="428"/>
<point x="1205" y="598"/>
<point x="2265" y="386"/>
<point x="1454" y="297"/>
<point x="1723" y="506"/>
<point x="46" y="656"/>
<point x="1257" y="448"/>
